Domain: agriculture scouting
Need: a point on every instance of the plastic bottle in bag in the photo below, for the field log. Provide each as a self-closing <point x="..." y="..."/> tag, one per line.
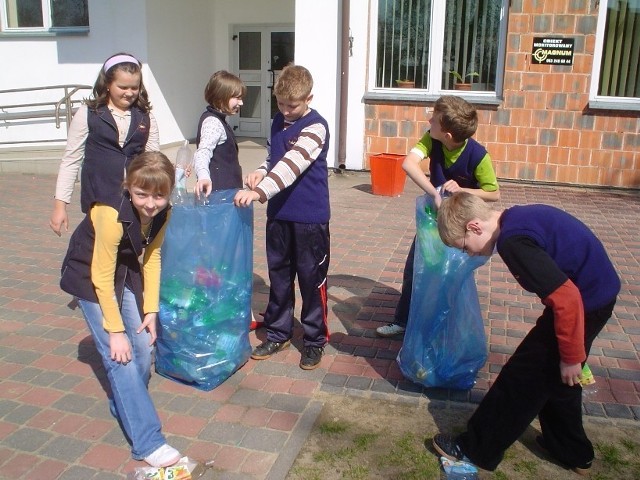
<point x="183" y="160"/>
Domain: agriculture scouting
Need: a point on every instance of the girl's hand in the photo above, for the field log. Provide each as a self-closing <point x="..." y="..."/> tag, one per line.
<point x="150" y="323"/>
<point x="253" y="179"/>
<point x="244" y="198"/>
<point x="203" y="187"/>
<point x="120" y="347"/>
<point x="59" y="218"/>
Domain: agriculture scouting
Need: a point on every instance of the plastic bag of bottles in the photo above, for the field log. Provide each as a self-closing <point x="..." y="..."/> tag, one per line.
<point x="444" y="344"/>
<point x="205" y="292"/>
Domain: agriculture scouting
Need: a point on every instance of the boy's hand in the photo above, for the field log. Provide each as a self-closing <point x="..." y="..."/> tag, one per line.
<point x="150" y="324"/>
<point x="451" y="186"/>
<point x="203" y="187"/>
<point x="437" y="200"/>
<point x="253" y="179"/>
<point x="570" y="374"/>
<point x="120" y="347"/>
<point x="244" y="198"/>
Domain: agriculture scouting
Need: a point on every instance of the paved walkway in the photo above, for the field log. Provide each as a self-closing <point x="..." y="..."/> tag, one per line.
<point x="54" y="419"/>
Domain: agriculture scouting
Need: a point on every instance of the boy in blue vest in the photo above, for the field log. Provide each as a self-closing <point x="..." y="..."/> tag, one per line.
<point x="294" y="181"/>
<point x="556" y="256"/>
<point x="456" y="163"/>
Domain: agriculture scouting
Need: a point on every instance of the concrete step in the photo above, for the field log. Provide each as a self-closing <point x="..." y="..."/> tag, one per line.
<point x="33" y="159"/>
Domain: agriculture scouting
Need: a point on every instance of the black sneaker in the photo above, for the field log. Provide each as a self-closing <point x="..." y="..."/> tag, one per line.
<point x="311" y="357"/>
<point x="580" y="470"/>
<point x="446" y="446"/>
<point x="268" y="348"/>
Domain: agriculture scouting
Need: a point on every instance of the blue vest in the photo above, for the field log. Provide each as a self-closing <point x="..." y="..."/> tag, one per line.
<point x="76" y="266"/>
<point x="572" y="246"/>
<point x="224" y="166"/>
<point x="307" y="199"/>
<point x="462" y="170"/>
<point x="104" y="160"/>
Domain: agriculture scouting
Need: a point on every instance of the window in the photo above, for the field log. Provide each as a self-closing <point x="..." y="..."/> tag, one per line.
<point x="616" y="66"/>
<point x="44" y="15"/>
<point x="424" y="41"/>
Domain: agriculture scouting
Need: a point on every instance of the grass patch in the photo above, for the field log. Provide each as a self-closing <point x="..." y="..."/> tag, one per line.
<point x="611" y="456"/>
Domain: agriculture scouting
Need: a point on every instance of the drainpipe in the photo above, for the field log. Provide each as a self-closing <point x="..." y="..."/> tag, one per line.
<point x="345" y="44"/>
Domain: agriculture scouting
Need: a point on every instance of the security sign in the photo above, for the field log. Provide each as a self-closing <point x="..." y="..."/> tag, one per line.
<point x="552" y="51"/>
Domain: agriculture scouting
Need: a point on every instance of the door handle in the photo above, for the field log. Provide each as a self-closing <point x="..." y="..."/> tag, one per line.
<point x="273" y="78"/>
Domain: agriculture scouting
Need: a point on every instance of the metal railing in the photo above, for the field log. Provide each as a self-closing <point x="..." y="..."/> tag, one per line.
<point x="58" y="109"/>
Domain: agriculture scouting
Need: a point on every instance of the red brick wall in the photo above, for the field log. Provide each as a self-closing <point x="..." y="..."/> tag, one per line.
<point x="543" y="130"/>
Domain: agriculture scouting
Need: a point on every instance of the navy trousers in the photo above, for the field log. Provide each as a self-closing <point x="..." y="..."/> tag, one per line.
<point x="529" y="385"/>
<point x="401" y="316"/>
<point x="297" y="250"/>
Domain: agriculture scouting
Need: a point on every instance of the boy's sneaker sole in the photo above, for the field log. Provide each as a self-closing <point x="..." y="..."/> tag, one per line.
<point x="390" y="330"/>
<point x="268" y="348"/>
<point x="447" y="447"/>
<point x="584" y="470"/>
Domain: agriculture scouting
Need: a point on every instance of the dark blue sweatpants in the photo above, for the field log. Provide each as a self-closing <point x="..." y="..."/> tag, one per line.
<point x="302" y="250"/>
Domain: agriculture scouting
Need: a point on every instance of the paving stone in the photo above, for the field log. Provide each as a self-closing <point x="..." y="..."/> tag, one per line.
<point x="74" y="403"/>
<point x="287" y="403"/>
<point x="27" y="439"/>
<point x="226" y="433"/>
<point x="250" y="398"/>
<point x="26" y="374"/>
<point x="22" y="414"/>
<point x="266" y="440"/>
<point x="76" y="472"/>
<point x="65" y="448"/>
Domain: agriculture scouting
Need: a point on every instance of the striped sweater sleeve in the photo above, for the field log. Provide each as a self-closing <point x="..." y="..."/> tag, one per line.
<point x="298" y="159"/>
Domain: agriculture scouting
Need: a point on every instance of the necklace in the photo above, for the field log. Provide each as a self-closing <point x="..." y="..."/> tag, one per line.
<point x="145" y="229"/>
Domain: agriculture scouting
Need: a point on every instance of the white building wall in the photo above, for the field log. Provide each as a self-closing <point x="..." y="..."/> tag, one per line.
<point x="359" y="30"/>
<point x="318" y="47"/>
<point x="179" y="35"/>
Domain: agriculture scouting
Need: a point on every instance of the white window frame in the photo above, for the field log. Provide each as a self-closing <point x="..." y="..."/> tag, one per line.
<point x="599" y="101"/>
<point x="46" y="21"/>
<point x="436" y="48"/>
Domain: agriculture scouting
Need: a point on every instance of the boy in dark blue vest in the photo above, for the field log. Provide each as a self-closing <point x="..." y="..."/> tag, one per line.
<point x="557" y="257"/>
<point x="294" y="181"/>
<point x="456" y="163"/>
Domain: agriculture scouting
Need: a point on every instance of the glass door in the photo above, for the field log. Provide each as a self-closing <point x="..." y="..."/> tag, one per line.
<point x="260" y="53"/>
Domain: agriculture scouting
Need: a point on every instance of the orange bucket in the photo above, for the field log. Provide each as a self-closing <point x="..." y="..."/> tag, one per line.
<point x="387" y="175"/>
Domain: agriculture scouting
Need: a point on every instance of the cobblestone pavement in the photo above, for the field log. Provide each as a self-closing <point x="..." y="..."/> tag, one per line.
<point x="54" y="417"/>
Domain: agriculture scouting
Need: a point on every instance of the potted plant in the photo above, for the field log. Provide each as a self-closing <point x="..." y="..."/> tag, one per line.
<point x="405" y="83"/>
<point x="460" y="80"/>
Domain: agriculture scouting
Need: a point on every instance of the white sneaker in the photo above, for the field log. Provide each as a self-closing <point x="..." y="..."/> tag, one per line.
<point x="390" y="330"/>
<point x="164" y="456"/>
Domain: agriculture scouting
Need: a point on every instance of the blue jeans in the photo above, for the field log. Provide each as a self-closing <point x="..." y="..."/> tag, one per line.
<point x="133" y="405"/>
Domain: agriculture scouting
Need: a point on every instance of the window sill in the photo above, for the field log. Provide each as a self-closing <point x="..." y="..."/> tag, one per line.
<point x="419" y="97"/>
<point x="618" y="105"/>
<point x="45" y="33"/>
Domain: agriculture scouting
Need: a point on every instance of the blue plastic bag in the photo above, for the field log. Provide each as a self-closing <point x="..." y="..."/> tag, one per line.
<point x="444" y="344"/>
<point x="205" y="292"/>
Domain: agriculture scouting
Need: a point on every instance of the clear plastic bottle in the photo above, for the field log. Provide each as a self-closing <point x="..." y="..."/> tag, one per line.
<point x="183" y="160"/>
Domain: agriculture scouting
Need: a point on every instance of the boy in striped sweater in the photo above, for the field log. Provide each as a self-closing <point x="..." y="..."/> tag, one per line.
<point x="294" y="181"/>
